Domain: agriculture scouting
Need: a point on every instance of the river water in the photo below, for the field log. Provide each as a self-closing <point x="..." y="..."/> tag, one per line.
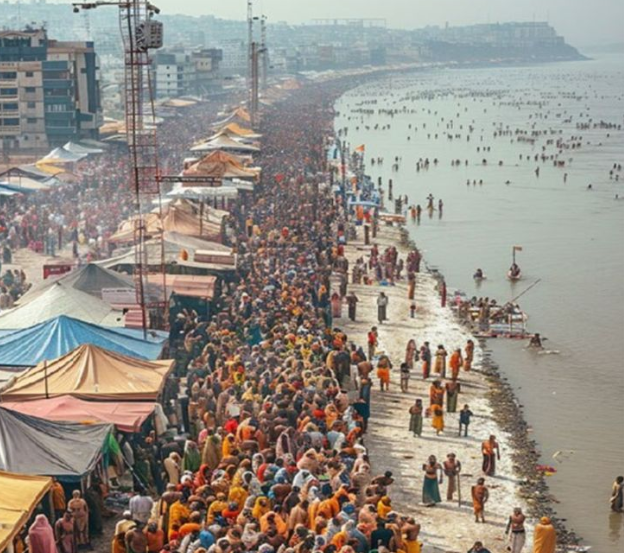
<point x="572" y="239"/>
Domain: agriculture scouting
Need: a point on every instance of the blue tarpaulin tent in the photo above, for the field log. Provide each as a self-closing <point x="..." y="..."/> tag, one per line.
<point x="58" y="336"/>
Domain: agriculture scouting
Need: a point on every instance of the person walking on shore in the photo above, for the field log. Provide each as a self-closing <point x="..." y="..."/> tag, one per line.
<point x="455" y="363"/>
<point x="436" y="394"/>
<point x="382" y="307"/>
<point x="515" y="531"/>
<point x="433" y="478"/>
<point x="352" y="301"/>
<point x="544" y="537"/>
<point x="617" y="495"/>
<point x="469" y="355"/>
<point x="425" y="356"/>
<point x="452" y="394"/>
<point x="416" y="418"/>
<point x="464" y="420"/>
<point x="437" y="419"/>
<point x="383" y="373"/>
<point x="440" y="361"/>
<point x="373" y="340"/>
<point x="480" y="496"/>
<point x="410" y="353"/>
<point x="405" y="377"/>
<point x="491" y="453"/>
<point x="452" y="468"/>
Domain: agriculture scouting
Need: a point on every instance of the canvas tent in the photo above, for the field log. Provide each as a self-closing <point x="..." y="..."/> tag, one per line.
<point x="240" y="116"/>
<point x="61" y="299"/>
<point x="93" y="373"/>
<point x="219" y="165"/>
<point x="20" y="495"/>
<point x="126" y="416"/>
<point x="223" y="142"/>
<point x="81" y="149"/>
<point x="61" y="155"/>
<point x="67" y="451"/>
<point x="98" y="282"/>
<point x="56" y="337"/>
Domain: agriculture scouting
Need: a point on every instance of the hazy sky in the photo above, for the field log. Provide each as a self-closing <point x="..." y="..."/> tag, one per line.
<point x="582" y="22"/>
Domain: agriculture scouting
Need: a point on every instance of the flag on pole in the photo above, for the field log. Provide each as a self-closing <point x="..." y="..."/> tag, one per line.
<point x="517" y="248"/>
<point x="361" y="148"/>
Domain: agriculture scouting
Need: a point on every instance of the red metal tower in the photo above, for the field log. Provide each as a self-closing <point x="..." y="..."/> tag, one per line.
<point x="140" y="33"/>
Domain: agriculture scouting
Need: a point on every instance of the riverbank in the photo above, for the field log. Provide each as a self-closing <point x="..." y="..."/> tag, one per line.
<point x="447" y="527"/>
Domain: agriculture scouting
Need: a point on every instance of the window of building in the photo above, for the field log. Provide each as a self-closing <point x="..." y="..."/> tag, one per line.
<point x="8" y="75"/>
<point x="30" y="89"/>
<point x="8" y="91"/>
<point x="31" y="105"/>
<point x="9" y="107"/>
<point x="31" y="120"/>
<point x="30" y="74"/>
<point x="11" y="122"/>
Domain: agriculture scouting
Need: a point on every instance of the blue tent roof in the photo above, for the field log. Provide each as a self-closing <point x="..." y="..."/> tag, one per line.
<point x="58" y="336"/>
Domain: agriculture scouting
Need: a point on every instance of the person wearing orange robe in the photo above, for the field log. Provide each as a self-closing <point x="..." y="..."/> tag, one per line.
<point x="455" y="363"/>
<point x="545" y="537"/>
<point x="480" y="495"/>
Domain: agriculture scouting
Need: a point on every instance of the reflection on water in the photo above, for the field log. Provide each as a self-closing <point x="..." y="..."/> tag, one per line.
<point x="572" y="239"/>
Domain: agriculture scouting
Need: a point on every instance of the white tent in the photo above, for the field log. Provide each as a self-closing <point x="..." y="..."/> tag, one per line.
<point x="79" y="149"/>
<point x="63" y="155"/>
<point x="61" y="299"/>
<point x="203" y="192"/>
<point x="224" y="143"/>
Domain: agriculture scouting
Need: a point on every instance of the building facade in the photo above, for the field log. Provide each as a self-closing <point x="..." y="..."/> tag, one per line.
<point x="49" y="91"/>
<point x="186" y="73"/>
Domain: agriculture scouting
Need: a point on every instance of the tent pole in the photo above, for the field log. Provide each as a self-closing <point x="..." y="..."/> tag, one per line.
<point x="45" y="378"/>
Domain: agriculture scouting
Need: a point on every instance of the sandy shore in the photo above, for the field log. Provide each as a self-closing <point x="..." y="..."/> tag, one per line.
<point x="447" y="527"/>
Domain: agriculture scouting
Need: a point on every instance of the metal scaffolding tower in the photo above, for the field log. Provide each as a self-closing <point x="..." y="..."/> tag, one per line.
<point x="140" y="33"/>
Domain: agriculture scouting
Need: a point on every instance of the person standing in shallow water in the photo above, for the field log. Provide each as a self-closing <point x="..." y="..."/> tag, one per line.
<point x="617" y="495"/>
<point x="416" y="418"/>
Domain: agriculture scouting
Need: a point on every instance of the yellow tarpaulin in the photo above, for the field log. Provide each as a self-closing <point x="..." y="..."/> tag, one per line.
<point x="90" y="372"/>
<point x="19" y="495"/>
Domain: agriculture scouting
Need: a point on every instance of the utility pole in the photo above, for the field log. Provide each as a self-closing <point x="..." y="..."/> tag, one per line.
<point x="249" y="41"/>
<point x="255" y="54"/>
<point x="265" y="53"/>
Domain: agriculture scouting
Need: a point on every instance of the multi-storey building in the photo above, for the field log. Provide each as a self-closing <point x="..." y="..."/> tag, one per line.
<point x="49" y="91"/>
<point x="186" y="73"/>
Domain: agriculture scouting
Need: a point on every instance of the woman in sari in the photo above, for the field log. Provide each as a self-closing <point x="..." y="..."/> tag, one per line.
<point x="452" y="394"/>
<point x="431" y="489"/>
<point x="41" y="536"/>
<point x="79" y="509"/>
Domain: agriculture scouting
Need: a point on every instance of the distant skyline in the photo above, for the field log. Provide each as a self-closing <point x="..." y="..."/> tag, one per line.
<point x="581" y="22"/>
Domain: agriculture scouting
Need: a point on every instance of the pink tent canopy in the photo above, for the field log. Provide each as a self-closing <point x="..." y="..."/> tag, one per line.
<point x="126" y="416"/>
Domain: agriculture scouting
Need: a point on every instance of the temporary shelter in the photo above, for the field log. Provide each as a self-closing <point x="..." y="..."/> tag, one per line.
<point x="126" y="416"/>
<point x="93" y="373"/>
<point x="61" y="299"/>
<point x="56" y="337"/>
<point x="178" y="217"/>
<point x="100" y="283"/>
<point x="67" y="451"/>
<point x="81" y="149"/>
<point x="223" y="142"/>
<point x="219" y="165"/>
<point x="61" y="155"/>
<point x="239" y="115"/>
<point x="21" y="494"/>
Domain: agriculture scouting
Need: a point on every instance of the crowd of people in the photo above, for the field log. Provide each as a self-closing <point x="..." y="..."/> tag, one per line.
<point x="270" y="402"/>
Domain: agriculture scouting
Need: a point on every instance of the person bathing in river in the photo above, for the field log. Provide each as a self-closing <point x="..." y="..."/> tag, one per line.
<point x="478" y="274"/>
<point x="536" y="341"/>
<point x="617" y="495"/>
<point x="514" y="270"/>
